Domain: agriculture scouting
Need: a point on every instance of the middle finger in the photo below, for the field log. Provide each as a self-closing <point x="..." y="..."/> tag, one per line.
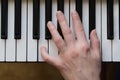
<point x="65" y="28"/>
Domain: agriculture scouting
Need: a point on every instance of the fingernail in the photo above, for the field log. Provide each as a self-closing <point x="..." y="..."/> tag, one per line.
<point x="59" y="13"/>
<point x="74" y="12"/>
<point x="49" y="23"/>
<point x="94" y="32"/>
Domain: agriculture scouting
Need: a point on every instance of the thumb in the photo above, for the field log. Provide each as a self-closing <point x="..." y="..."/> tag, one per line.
<point x="94" y="41"/>
<point x="49" y="59"/>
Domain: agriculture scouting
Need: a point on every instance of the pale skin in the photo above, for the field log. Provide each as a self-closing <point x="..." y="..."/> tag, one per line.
<point x="77" y="60"/>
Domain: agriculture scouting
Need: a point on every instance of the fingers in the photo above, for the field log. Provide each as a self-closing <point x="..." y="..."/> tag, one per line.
<point x="65" y="28"/>
<point x="46" y="57"/>
<point x="56" y="37"/>
<point x="55" y="61"/>
<point x="94" y="41"/>
<point x="79" y="31"/>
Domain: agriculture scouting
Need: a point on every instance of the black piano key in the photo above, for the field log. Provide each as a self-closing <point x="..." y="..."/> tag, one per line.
<point x="60" y="6"/>
<point x="110" y="19"/>
<point x="48" y="17"/>
<point x="79" y="8"/>
<point x="4" y="18"/>
<point x="92" y="14"/>
<point x="36" y="19"/>
<point x="17" y="29"/>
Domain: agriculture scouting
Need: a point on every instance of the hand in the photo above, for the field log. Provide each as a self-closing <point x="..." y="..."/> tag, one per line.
<point x="77" y="60"/>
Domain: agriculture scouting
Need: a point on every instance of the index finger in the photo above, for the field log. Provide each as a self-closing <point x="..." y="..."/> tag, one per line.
<point x="78" y="27"/>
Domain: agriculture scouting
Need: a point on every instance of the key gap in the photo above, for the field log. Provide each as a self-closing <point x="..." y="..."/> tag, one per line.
<point x="48" y="46"/>
<point x="69" y="14"/>
<point x="5" y="50"/>
<point x="101" y="26"/>
<point x="112" y="50"/>
<point x="37" y="50"/>
<point x="16" y="50"/>
<point x="27" y="33"/>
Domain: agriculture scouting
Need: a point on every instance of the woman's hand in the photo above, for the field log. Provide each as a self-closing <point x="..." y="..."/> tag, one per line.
<point x="77" y="60"/>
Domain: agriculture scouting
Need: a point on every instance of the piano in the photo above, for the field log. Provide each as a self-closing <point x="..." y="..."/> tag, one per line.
<point x="23" y="28"/>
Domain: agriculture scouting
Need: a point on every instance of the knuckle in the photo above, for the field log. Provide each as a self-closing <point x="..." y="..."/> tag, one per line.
<point x="81" y="30"/>
<point x="62" y="22"/>
<point x="74" y="52"/>
<point x="57" y="40"/>
<point x="85" y="47"/>
<point x="68" y="31"/>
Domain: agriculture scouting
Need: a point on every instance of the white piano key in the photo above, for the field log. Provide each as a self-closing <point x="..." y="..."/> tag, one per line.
<point x="66" y="9"/>
<point x="21" y="43"/>
<point x="116" y="41"/>
<point x="2" y="42"/>
<point x="72" y="8"/>
<point x="42" y="41"/>
<point x="106" y="44"/>
<point x="98" y="19"/>
<point x="10" y="42"/>
<point x="85" y="18"/>
<point x="53" y="51"/>
<point x="32" y="43"/>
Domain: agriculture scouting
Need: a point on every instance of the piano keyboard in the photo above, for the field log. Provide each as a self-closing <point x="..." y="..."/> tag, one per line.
<point x="23" y="28"/>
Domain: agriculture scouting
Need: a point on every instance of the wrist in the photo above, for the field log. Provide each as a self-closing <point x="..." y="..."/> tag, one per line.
<point x="80" y="76"/>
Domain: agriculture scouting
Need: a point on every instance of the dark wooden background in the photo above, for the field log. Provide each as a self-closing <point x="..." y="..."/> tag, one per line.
<point x="44" y="71"/>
